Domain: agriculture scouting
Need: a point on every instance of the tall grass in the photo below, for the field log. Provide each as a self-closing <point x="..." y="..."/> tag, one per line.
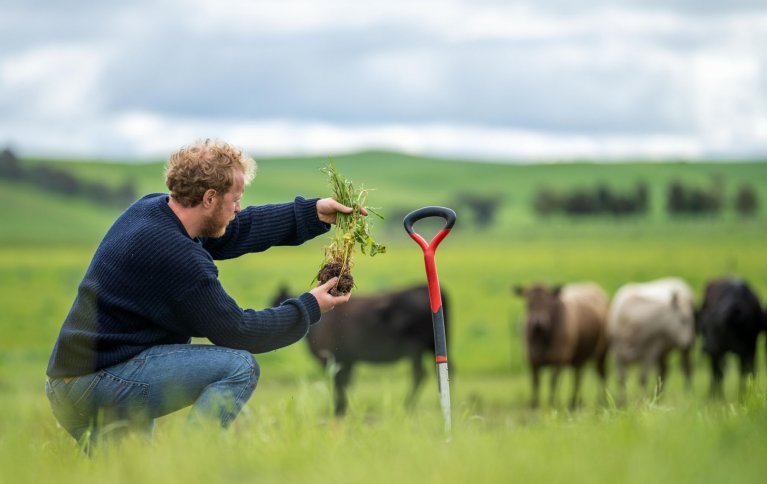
<point x="287" y="435"/>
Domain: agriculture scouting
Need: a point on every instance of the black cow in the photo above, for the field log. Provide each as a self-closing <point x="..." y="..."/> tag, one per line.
<point x="730" y="320"/>
<point x="378" y="329"/>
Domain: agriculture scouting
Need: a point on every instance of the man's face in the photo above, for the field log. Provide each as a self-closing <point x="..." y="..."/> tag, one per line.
<point x="225" y="208"/>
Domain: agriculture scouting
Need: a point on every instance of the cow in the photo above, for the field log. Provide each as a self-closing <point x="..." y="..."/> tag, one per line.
<point x="383" y="328"/>
<point x="730" y="320"/>
<point x="646" y="322"/>
<point x="564" y="327"/>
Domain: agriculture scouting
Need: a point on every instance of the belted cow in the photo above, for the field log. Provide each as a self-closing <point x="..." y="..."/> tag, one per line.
<point x="384" y="328"/>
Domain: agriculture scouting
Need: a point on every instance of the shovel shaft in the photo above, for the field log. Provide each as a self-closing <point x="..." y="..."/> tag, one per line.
<point x="444" y="395"/>
<point x="440" y="338"/>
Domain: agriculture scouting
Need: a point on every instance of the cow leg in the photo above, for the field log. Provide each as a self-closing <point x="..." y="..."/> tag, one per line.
<point x="341" y="380"/>
<point x="622" y="370"/>
<point x="746" y="370"/>
<point x="644" y="372"/>
<point x="602" y="372"/>
<point x="536" y="381"/>
<point x="652" y="356"/>
<point x="418" y="375"/>
<point x="717" y="375"/>
<point x="553" y="385"/>
<point x="662" y="372"/>
<point x="576" y="387"/>
<point x="687" y="369"/>
<point x="747" y="364"/>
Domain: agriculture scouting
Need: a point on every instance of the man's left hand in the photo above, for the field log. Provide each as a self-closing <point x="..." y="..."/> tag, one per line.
<point x="327" y="208"/>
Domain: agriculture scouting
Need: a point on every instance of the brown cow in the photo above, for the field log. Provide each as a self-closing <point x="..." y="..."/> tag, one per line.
<point x="384" y="328"/>
<point x="565" y="327"/>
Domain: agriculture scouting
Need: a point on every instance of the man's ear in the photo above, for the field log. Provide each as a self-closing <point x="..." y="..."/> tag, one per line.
<point x="207" y="197"/>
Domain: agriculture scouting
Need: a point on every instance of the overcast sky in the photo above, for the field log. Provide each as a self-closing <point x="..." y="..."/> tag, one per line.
<point x="529" y="80"/>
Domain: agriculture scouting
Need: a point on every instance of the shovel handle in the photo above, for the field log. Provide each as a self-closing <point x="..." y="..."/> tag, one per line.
<point x="430" y="248"/>
<point x="421" y="213"/>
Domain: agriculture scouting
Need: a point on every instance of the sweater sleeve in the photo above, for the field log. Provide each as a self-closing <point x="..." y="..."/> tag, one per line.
<point x="211" y="312"/>
<point x="257" y="228"/>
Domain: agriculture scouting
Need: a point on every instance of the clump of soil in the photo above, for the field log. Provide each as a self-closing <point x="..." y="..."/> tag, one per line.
<point x="335" y="269"/>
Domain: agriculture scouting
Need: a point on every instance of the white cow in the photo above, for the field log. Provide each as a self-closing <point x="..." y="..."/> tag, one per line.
<point x="647" y="321"/>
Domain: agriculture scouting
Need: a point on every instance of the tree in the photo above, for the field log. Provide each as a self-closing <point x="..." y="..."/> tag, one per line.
<point x="746" y="200"/>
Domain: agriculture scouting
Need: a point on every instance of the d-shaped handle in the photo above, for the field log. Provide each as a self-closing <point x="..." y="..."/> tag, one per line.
<point x="421" y="213"/>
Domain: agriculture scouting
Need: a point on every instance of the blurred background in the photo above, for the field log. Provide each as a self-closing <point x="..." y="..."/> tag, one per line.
<point x="602" y="140"/>
<point x="578" y="140"/>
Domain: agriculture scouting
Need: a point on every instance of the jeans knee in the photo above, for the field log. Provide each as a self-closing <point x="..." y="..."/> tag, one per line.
<point x="248" y="369"/>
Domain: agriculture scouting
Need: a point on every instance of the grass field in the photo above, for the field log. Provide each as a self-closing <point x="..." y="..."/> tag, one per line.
<point x="286" y="433"/>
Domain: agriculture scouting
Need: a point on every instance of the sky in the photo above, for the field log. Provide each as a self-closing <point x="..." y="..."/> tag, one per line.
<point x="506" y="81"/>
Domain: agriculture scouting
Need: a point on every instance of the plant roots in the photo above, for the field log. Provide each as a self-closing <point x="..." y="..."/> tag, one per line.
<point x="345" y="279"/>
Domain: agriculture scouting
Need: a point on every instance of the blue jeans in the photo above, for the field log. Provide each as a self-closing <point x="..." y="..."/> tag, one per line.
<point x="216" y="381"/>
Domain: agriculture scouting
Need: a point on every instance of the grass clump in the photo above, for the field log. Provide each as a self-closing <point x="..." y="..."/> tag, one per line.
<point x="352" y="230"/>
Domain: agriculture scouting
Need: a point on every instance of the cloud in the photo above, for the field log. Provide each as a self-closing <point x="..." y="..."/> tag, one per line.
<point x="147" y="136"/>
<point x="560" y="79"/>
<point x="53" y="81"/>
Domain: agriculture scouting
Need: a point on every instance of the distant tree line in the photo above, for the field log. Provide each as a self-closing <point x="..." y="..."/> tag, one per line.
<point x="684" y="199"/>
<point x="746" y="200"/>
<point x="65" y="183"/>
<point x="479" y="210"/>
<point x="687" y="199"/>
<point x="482" y="207"/>
<point x="681" y="200"/>
<point x="597" y="200"/>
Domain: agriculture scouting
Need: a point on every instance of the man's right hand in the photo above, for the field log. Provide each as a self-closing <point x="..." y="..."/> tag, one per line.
<point x="326" y="300"/>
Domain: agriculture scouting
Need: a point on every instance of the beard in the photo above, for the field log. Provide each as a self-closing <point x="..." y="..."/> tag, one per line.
<point x="215" y="225"/>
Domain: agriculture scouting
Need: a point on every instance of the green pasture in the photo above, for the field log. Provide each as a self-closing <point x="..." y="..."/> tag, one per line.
<point x="287" y="433"/>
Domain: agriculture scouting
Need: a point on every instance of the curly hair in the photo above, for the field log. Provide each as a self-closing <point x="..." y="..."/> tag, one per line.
<point x="204" y="165"/>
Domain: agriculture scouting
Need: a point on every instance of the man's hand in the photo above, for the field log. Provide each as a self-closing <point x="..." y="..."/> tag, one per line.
<point x="327" y="208"/>
<point x="326" y="300"/>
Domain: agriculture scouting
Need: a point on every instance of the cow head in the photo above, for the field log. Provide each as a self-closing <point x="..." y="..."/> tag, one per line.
<point x="544" y="308"/>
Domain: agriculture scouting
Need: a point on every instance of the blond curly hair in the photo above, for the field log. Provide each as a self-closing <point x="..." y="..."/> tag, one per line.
<point x="206" y="164"/>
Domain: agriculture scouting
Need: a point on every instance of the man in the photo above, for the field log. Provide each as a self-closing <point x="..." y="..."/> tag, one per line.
<point x="124" y="352"/>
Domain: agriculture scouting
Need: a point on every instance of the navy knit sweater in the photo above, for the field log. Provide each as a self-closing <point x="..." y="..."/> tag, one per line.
<point x="150" y="284"/>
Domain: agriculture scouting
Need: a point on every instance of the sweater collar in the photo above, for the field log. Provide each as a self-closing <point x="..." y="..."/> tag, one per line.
<point x="165" y="208"/>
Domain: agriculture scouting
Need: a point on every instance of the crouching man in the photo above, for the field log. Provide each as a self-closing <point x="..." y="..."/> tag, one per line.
<point x="123" y="353"/>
